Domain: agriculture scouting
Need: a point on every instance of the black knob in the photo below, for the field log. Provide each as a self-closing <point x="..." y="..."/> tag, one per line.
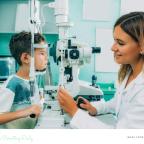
<point x="80" y="100"/>
<point x="96" y="49"/>
<point x="32" y="115"/>
<point x="94" y="79"/>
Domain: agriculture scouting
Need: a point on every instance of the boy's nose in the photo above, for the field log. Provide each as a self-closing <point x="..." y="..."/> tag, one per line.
<point x="46" y="56"/>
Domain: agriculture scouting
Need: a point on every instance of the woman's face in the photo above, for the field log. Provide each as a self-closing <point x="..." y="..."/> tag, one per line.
<point x="126" y="50"/>
<point x="41" y="58"/>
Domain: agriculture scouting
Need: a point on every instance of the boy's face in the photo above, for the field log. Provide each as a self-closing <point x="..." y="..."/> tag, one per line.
<point x="41" y="58"/>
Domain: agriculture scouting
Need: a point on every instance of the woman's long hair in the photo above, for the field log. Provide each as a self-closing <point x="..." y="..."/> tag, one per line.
<point x="133" y="24"/>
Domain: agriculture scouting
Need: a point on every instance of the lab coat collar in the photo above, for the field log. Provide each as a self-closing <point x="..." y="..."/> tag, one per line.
<point x="140" y="79"/>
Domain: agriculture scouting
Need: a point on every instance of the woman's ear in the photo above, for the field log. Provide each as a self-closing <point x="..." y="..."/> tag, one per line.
<point x="25" y="58"/>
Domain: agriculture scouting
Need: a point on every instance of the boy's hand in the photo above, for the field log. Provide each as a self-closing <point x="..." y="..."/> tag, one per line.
<point x="34" y="109"/>
<point x="87" y="106"/>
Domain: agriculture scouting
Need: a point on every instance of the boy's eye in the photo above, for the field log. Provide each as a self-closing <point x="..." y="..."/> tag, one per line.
<point x="42" y="53"/>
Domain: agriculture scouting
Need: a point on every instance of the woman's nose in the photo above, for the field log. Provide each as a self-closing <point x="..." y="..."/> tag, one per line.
<point x="114" y="47"/>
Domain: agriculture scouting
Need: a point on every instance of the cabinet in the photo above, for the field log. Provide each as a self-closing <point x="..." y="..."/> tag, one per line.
<point x="108" y="90"/>
<point x="8" y="10"/>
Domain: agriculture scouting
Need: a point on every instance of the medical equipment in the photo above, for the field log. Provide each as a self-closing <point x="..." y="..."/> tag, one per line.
<point x="75" y="55"/>
<point x="35" y="27"/>
<point x="69" y="56"/>
<point x="7" y="67"/>
<point x="33" y="23"/>
<point x="80" y="101"/>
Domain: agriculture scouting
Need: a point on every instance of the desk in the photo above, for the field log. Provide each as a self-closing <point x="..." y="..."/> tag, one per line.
<point x="53" y="120"/>
<point x="50" y="120"/>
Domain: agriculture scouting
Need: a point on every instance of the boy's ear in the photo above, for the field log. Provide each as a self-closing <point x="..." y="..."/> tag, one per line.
<point x="25" y="58"/>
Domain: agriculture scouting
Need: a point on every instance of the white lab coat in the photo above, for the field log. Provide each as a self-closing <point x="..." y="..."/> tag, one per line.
<point x="127" y="105"/>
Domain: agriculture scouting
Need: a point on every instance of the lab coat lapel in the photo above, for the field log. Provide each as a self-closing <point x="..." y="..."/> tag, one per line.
<point x="134" y="91"/>
<point x="136" y="87"/>
<point x="120" y="94"/>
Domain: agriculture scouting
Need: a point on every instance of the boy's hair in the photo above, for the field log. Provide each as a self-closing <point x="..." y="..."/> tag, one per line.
<point x="21" y="43"/>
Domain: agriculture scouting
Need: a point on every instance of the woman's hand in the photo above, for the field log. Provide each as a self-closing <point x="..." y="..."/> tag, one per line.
<point x="66" y="101"/>
<point x="87" y="106"/>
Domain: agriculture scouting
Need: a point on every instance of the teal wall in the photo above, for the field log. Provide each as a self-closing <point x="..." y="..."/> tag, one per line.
<point x="5" y="38"/>
<point x="85" y="32"/>
<point x="4" y="42"/>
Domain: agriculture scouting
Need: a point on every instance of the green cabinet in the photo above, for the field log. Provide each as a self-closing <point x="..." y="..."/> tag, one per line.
<point x="108" y="90"/>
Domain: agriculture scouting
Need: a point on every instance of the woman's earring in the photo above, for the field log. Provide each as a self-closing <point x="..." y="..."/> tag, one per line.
<point x="142" y="53"/>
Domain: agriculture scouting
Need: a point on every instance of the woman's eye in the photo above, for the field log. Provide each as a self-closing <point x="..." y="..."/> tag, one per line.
<point x="120" y="43"/>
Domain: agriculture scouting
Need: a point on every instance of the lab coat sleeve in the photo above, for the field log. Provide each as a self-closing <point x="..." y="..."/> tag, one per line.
<point x="82" y="120"/>
<point x="6" y="99"/>
<point x="104" y="107"/>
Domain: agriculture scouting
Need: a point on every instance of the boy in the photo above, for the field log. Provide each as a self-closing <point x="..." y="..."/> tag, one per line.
<point x="15" y="101"/>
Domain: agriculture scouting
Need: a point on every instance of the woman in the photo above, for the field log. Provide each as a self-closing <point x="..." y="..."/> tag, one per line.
<point x="128" y="102"/>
